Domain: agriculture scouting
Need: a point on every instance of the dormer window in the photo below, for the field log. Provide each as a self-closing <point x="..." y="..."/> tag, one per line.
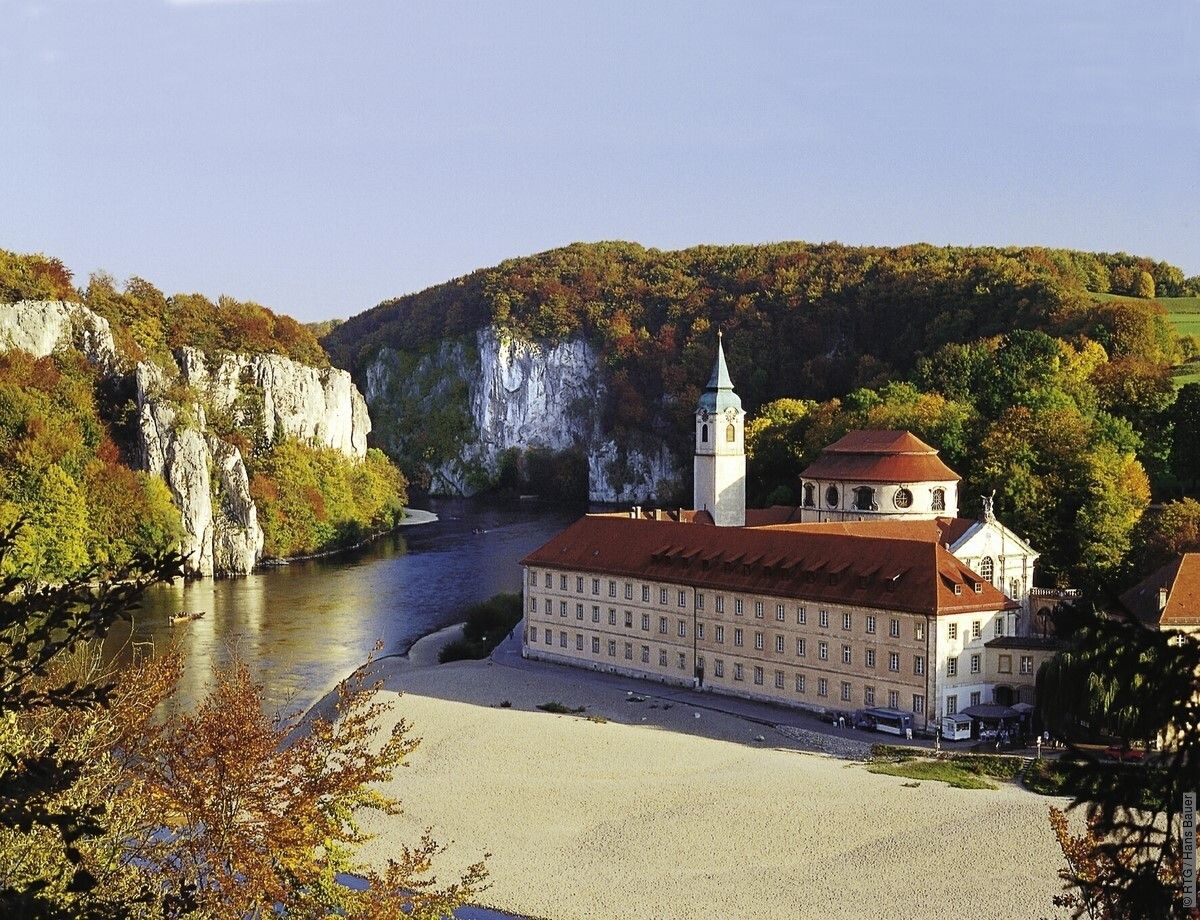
<point x="864" y="499"/>
<point x="939" y="500"/>
<point x="831" y="496"/>
<point x="903" y="498"/>
<point x="809" y="495"/>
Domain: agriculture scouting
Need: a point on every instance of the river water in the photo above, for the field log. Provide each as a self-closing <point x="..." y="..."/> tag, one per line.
<point x="303" y="627"/>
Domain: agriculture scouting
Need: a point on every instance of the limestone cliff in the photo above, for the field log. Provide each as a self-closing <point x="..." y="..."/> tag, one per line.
<point x="492" y="392"/>
<point x="262" y="397"/>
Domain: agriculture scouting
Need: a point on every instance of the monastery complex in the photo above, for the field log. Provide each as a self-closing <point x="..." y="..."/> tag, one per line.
<point x="872" y="594"/>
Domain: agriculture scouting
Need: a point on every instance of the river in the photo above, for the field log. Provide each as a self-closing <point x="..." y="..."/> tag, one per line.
<point x="301" y="628"/>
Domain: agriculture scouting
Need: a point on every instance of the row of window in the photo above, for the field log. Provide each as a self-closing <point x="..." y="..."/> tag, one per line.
<point x="864" y="498"/>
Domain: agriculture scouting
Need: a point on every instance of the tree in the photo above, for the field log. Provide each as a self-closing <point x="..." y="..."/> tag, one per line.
<point x="1144" y="287"/>
<point x="1119" y="679"/>
<point x="1185" y="450"/>
<point x="1171" y="530"/>
<point x="775" y="448"/>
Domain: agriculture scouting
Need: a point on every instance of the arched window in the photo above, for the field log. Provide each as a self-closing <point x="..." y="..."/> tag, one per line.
<point x="864" y="498"/>
<point x="809" y="495"/>
<point x="730" y="433"/>
<point x="831" y="496"/>
<point x="939" y="499"/>
<point x="703" y="434"/>
<point x="987" y="568"/>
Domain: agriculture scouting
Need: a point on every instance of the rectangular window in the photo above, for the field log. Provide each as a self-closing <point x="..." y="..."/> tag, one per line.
<point x="976" y="631"/>
<point x="612" y="617"/>
<point x="629" y="651"/>
<point x="683" y="661"/>
<point x="629" y="620"/>
<point x="801" y="648"/>
<point x="894" y="629"/>
<point x="758" y="641"/>
<point x="758" y="676"/>
<point x="778" y="680"/>
<point x="846" y="620"/>
<point x="868" y="696"/>
<point x="975" y="697"/>
<point x="893" y="699"/>
<point x="918" y="704"/>
<point x="871" y="624"/>
<point x="1006" y="664"/>
<point x="846" y="655"/>
<point x="758" y="609"/>
<point x="562" y="639"/>
<point x="737" y="671"/>
<point x="780" y="612"/>
<point x="952" y="630"/>
<point x="699" y="601"/>
<point x="999" y="627"/>
<point x="645" y="654"/>
<point x="562" y="608"/>
<point x="779" y="645"/>
<point x="645" y="594"/>
<point x="662" y="626"/>
<point x="578" y="584"/>
<point x="823" y="651"/>
<point x="719" y="667"/>
<point x="952" y="704"/>
<point x="919" y="631"/>
<point x="562" y="582"/>
<point x="720" y="602"/>
<point x="595" y="645"/>
<point x="533" y="634"/>
<point x="532" y="578"/>
<point x="822" y="687"/>
<point x="918" y="664"/>
<point x="869" y="658"/>
<point x="612" y="588"/>
<point x="532" y="604"/>
<point x="683" y="629"/>
<point x="737" y="636"/>
<point x="662" y="657"/>
<point x="846" y="691"/>
<point x="549" y="580"/>
<point x="595" y="586"/>
<point x="893" y="661"/>
<point x="646" y="622"/>
<point x="1026" y="664"/>
<point x="662" y="596"/>
<point x="549" y="637"/>
<point x="595" y="614"/>
<point x="579" y="611"/>
<point x="579" y="642"/>
<point x="628" y="591"/>
<point x="700" y="631"/>
<point x="720" y="634"/>
<point x="975" y="662"/>
<point x="823" y="619"/>
<point x="612" y="647"/>
<point x="549" y="606"/>
<point x="737" y="606"/>
<point x="681" y="601"/>
<point x="801" y="616"/>
<point x="799" y="683"/>
<point x="951" y="667"/>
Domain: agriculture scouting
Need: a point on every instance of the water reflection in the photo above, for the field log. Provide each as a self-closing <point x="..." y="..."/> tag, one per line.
<point x="303" y="627"/>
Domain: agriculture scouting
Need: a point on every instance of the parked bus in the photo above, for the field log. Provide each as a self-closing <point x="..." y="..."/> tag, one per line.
<point x="889" y="721"/>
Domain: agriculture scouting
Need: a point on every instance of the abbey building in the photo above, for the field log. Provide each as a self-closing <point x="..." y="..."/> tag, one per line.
<point x="871" y="594"/>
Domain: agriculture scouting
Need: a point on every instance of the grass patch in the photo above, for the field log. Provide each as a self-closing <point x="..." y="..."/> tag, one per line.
<point x="559" y="709"/>
<point x="939" y="770"/>
<point x="487" y="624"/>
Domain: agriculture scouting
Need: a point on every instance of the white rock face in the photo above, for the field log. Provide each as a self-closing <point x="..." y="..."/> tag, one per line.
<point x="522" y="394"/>
<point x="315" y="405"/>
<point x="42" y="326"/>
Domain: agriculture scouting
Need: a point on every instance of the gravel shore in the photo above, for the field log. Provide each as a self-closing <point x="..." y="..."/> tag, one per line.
<point x="667" y="811"/>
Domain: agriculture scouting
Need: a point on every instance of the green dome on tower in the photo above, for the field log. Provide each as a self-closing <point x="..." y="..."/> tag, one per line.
<point x="719" y="395"/>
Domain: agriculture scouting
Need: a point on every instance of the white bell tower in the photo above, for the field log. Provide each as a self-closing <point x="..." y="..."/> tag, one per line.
<point x="720" y="464"/>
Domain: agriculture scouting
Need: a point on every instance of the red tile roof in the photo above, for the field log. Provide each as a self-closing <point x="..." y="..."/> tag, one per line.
<point x="880" y="456"/>
<point x="941" y="530"/>
<point x="887" y="573"/>
<point x="1180" y="579"/>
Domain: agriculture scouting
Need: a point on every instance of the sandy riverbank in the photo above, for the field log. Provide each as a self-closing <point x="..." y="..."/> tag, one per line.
<point x="679" y="817"/>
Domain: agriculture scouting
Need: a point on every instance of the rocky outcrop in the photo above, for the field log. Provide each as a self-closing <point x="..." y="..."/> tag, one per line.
<point x="498" y="392"/>
<point x="42" y="327"/>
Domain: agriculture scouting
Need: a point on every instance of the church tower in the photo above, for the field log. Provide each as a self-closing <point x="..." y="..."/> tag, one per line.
<point x="720" y="464"/>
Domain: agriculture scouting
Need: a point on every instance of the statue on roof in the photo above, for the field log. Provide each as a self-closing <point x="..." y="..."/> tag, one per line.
<point x="989" y="514"/>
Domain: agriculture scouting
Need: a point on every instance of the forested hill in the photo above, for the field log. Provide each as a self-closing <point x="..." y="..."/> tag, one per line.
<point x="801" y="319"/>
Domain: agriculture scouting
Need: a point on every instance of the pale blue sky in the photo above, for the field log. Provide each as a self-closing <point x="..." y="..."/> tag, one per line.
<point x="322" y="156"/>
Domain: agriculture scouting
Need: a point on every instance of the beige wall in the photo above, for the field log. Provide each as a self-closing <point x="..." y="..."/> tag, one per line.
<point x="620" y="628"/>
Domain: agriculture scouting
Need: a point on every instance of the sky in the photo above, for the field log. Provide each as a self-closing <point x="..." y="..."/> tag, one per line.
<point x="319" y="156"/>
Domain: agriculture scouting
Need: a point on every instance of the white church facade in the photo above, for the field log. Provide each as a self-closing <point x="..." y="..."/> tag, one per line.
<point x="873" y="595"/>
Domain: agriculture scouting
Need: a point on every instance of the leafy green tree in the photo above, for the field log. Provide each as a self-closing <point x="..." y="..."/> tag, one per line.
<point x="776" y="451"/>
<point x="1185" y="449"/>
<point x="1166" y="533"/>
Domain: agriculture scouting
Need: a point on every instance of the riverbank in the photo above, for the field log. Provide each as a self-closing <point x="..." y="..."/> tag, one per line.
<point x="646" y="807"/>
<point x="412" y="517"/>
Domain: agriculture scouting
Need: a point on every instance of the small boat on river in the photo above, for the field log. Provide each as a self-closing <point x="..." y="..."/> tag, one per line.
<point x="185" y="617"/>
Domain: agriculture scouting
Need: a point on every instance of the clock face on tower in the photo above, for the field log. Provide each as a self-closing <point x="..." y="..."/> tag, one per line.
<point x="704" y="415"/>
<point x="731" y="415"/>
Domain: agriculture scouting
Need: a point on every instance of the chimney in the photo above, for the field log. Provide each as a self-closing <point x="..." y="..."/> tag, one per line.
<point x="1162" y="599"/>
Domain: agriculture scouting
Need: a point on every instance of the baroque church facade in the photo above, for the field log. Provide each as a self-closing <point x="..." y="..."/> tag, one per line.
<point x="872" y="593"/>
